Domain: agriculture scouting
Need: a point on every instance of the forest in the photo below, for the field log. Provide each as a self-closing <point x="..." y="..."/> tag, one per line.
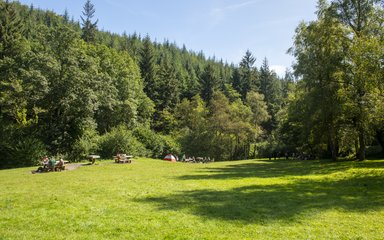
<point x="69" y="89"/>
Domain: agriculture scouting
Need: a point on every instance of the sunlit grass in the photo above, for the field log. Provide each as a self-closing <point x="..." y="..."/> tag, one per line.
<point x="152" y="199"/>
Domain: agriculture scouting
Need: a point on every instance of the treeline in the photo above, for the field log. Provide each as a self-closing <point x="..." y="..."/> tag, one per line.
<point x="69" y="89"/>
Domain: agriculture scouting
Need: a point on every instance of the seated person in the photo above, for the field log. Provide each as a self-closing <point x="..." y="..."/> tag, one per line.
<point x="118" y="157"/>
<point x="45" y="161"/>
<point x="60" y="163"/>
<point x="51" y="163"/>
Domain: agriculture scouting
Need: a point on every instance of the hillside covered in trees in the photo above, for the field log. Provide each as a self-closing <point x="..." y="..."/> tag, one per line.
<point x="69" y="89"/>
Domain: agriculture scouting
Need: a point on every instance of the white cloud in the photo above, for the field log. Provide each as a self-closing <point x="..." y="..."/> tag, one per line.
<point x="232" y="7"/>
<point x="219" y="13"/>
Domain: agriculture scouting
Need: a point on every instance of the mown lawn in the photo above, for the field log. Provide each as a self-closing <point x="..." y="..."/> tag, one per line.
<point x="152" y="199"/>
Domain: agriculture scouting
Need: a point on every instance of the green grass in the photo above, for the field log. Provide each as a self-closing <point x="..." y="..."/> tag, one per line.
<point x="151" y="199"/>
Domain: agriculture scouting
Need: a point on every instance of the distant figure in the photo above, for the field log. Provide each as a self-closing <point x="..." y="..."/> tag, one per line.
<point x="60" y="163"/>
<point x="51" y="163"/>
<point x="45" y="161"/>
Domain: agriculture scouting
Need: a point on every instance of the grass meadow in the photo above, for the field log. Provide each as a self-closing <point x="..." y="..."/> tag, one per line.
<point x="153" y="199"/>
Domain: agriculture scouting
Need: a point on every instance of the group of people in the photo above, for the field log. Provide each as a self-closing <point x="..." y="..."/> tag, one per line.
<point x="197" y="159"/>
<point x="50" y="164"/>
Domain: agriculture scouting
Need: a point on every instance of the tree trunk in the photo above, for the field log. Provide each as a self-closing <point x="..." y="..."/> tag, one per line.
<point x="332" y="144"/>
<point x="334" y="152"/>
<point x="357" y="147"/>
<point x="361" y="155"/>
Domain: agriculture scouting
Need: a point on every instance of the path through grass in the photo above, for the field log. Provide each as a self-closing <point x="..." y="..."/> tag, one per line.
<point x="151" y="199"/>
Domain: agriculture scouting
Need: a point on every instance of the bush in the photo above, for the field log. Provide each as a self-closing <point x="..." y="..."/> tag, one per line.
<point x="25" y="151"/>
<point x="121" y="140"/>
<point x="171" y="145"/>
<point x="153" y="142"/>
<point x="87" y="144"/>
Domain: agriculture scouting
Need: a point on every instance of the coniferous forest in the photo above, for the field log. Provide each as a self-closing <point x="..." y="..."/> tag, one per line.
<point x="69" y="89"/>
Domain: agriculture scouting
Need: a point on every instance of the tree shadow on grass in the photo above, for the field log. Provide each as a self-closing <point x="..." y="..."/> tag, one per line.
<point x="282" y="202"/>
<point x="279" y="202"/>
<point x="278" y="168"/>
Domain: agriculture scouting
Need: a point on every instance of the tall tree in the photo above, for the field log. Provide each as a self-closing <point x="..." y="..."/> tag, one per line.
<point x="148" y="68"/>
<point x="11" y="30"/>
<point x="66" y="16"/>
<point x="209" y="82"/>
<point x="270" y="88"/>
<point x="168" y="87"/>
<point x="21" y="90"/>
<point x="320" y="50"/>
<point x="356" y="13"/>
<point x="192" y="125"/>
<point x="89" y="28"/>
<point x="168" y="95"/>
<point x="248" y="75"/>
<point x="255" y="101"/>
<point x="15" y="82"/>
<point x="363" y="71"/>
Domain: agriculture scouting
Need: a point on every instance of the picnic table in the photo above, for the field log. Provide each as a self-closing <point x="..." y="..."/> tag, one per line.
<point x="123" y="158"/>
<point x="92" y="158"/>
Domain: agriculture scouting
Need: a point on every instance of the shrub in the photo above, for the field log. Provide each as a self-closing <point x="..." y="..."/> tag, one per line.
<point x="87" y="144"/>
<point x="171" y="145"/>
<point x="153" y="142"/>
<point x="121" y="140"/>
<point x="26" y="151"/>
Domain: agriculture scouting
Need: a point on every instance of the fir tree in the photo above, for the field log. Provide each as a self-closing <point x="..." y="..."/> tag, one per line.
<point x="66" y="16"/>
<point x="89" y="28"/>
<point x="248" y="75"/>
<point x="209" y="82"/>
<point x="148" y="68"/>
<point x="269" y="87"/>
<point x="11" y="30"/>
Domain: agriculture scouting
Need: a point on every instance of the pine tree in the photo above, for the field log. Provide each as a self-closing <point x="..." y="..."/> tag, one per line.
<point x="209" y="82"/>
<point x="248" y="75"/>
<point x="13" y="49"/>
<point x="148" y="68"/>
<point x="269" y="87"/>
<point x="66" y="16"/>
<point x="89" y="28"/>
<point x="11" y="30"/>
<point x="168" y="87"/>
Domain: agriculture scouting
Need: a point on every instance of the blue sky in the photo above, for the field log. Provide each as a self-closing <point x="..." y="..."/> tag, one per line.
<point x="221" y="28"/>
